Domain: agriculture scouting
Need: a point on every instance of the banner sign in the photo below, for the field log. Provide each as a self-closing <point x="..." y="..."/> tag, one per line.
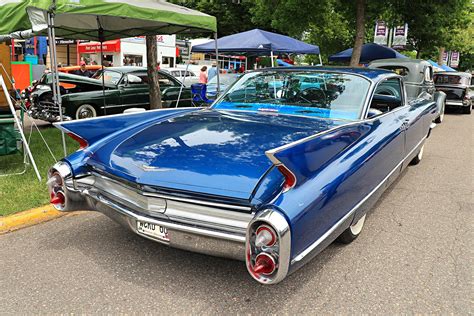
<point x="454" y="63"/>
<point x="94" y="47"/>
<point x="400" y="34"/>
<point x="445" y="57"/>
<point x="381" y="33"/>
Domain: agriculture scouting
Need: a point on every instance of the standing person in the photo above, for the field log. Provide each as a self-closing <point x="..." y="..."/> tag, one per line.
<point x="203" y="75"/>
<point x="212" y="71"/>
<point x="83" y="71"/>
<point x="158" y="64"/>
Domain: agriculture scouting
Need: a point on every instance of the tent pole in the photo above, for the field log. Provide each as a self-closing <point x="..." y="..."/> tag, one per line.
<point x="20" y="126"/>
<point x="271" y="57"/>
<point x="101" y="40"/>
<point x="217" y="58"/>
<point x="182" y="84"/>
<point x="104" y="104"/>
<point x="54" y="74"/>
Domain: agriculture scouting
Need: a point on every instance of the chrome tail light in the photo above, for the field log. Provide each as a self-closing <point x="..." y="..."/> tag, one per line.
<point x="59" y="175"/>
<point x="268" y="245"/>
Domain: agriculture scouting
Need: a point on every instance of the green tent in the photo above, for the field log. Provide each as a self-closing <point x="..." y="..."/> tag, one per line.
<point x="103" y="19"/>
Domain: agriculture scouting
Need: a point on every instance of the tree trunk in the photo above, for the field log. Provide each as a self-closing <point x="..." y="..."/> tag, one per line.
<point x="360" y="33"/>
<point x="153" y="79"/>
<point x="440" y="57"/>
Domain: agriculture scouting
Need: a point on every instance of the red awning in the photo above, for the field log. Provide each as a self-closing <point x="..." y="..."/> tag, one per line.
<point x="94" y="47"/>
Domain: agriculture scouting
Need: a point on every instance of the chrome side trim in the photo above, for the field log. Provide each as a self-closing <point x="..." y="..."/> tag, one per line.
<point x="328" y="233"/>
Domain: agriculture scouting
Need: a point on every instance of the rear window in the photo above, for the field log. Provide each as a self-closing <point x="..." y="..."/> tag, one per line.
<point x="450" y="79"/>
<point x="399" y="70"/>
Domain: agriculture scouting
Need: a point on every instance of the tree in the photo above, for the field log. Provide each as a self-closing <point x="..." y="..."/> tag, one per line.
<point x="233" y="16"/>
<point x="152" y="64"/>
<point x="360" y="33"/>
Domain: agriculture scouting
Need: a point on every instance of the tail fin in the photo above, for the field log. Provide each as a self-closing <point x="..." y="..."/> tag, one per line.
<point x="304" y="158"/>
<point x="94" y="129"/>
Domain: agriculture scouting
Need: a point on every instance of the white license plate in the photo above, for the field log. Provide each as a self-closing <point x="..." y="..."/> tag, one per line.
<point x="153" y="230"/>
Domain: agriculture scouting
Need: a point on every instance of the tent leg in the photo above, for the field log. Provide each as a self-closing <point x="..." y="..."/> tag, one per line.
<point x="104" y="103"/>
<point x="20" y="127"/>
<point x="54" y="73"/>
<point x="271" y="57"/>
<point x="218" y="71"/>
<point x="320" y="60"/>
<point x="182" y="84"/>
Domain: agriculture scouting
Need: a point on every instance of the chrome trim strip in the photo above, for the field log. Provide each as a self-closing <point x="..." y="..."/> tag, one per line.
<point x="174" y="198"/>
<point x="452" y="102"/>
<point x="352" y="211"/>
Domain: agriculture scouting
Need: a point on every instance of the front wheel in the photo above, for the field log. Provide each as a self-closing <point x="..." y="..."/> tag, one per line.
<point x="85" y="111"/>
<point x="351" y="233"/>
<point x="467" y="110"/>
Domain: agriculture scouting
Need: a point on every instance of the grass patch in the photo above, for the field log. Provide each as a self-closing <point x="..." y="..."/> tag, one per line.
<point x="22" y="192"/>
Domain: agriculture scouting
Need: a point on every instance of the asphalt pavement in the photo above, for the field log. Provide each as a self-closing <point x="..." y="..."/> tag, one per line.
<point x="415" y="255"/>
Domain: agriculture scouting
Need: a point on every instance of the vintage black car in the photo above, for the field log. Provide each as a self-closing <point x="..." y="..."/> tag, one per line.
<point x="458" y="87"/>
<point x="124" y="88"/>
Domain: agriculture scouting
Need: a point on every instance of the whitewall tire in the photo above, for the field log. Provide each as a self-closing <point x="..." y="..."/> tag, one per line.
<point x="352" y="232"/>
<point x="85" y="111"/>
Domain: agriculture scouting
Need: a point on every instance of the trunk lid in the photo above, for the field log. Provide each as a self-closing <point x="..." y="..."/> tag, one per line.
<point x="207" y="152"/>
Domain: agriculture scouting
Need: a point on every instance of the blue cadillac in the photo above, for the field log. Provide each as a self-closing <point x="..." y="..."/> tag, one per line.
<point x="286" y="161"/>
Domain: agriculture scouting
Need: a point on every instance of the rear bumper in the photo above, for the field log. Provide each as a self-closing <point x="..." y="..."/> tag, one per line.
<point x="187" y="237"/>
<point x="457" y="103"/>
<point x="203" y="226"/>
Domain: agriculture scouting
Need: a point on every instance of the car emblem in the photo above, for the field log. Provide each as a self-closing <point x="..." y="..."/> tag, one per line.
<point x="153" y="168"/>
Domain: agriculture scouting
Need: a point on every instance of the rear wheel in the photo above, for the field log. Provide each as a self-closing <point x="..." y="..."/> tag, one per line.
<point x="85" y="111"/>
<point x="440" y="118"/>
<point x="418" y="157"/>
<point x="351" y="233"/>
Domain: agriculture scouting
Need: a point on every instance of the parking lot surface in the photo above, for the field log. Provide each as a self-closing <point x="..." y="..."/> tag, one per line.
<point x="415" y="255"/>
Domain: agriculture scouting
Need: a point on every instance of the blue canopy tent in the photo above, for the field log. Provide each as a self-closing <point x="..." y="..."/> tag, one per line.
<point x="438" y="67"/>
<point x="370" y="51"/>
<point x="257" y="42"/>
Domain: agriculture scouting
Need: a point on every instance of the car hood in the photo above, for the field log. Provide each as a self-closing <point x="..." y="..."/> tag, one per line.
<point x="208" y="151"/>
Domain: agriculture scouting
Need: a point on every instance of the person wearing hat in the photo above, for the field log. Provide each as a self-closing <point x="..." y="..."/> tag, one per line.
<point x="212" y="72"/>
<point x="82" y="71"/>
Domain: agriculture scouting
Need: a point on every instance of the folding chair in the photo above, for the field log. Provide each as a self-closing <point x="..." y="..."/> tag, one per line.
<point x="198" y="91"/>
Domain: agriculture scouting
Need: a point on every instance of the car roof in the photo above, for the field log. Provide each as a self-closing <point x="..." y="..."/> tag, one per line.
<point x="369" y="73"/>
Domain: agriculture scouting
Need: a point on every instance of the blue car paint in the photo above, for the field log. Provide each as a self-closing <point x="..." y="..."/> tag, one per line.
<point x="154" y="155"/>
<point x="335" y="170"/>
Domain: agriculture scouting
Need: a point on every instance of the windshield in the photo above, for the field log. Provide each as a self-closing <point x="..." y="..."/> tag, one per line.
<point x="306" y="92"/>
<point x="110" y="76"/>
<point x="451" y="79"/>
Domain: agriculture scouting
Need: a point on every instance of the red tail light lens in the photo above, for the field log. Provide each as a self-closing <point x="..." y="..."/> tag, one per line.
<point x="58" y="199"/>
<point x="82" y="142"/>
<point x="265" y="236"/>
<point x="290" y="179"/>
<point x="264" y="264"/>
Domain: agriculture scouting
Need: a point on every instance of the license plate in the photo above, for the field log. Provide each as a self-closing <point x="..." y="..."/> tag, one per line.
<point x="153" y="230"/>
